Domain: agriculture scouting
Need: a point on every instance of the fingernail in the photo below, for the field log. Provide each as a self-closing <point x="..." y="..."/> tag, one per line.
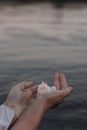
<point x="71" y="88"/>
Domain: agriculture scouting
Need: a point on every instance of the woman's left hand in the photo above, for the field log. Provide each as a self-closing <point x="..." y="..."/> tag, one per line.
<point x="20" y="96"/>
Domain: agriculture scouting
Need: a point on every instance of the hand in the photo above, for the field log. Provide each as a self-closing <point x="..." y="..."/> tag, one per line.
<point x="20" y="96"/>
<point x="58" y="96"/>
<point x="31" y="118"/>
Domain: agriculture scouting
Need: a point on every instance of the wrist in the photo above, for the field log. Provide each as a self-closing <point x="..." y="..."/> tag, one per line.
<point x="6" y="116"/>
<point x="10" y="105"/>
<point x="43" y="103"/>
<point x="14" y="107"/>
<point x="45" y="99"/>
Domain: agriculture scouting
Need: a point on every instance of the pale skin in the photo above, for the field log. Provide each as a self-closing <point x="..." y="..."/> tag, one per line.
<point x="32" y="116"/>
<point x="18" y="98"/>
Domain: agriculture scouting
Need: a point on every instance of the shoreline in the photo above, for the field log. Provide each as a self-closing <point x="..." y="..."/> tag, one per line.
<point x="69" y="5"/>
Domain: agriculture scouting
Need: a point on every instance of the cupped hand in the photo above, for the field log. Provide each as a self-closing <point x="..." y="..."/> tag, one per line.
<point x="62" y="91"/>
<point x="20" y="96"/>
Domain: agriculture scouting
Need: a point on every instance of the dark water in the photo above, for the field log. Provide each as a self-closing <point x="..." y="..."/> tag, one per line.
<point x="37" y="41"/>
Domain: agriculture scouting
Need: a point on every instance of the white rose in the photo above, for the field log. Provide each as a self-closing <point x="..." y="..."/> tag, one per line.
<point x="44" y="88"/>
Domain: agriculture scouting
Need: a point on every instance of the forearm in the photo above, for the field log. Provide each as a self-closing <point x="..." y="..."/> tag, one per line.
<point x="32" y="117"/>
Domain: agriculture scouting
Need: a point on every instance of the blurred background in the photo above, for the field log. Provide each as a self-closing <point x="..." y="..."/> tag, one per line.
<point x="39" y="38"/>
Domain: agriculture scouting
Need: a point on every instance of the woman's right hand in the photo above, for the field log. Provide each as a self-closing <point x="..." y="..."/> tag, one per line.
<point x="57" y="97"/>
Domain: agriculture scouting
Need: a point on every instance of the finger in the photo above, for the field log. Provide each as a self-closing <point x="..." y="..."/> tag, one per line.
<point x="26" y="96"/>
<point x="35" y="96"/>
<point x="25" y="85"/>
<point x="63" y="82"/>
<point x="65" y="92"/>
<point x="34" y="89"/>
<point x="57" y="83"/>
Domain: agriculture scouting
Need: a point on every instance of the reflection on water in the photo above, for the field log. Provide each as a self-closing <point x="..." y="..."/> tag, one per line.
<point x="37" y="41"/>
